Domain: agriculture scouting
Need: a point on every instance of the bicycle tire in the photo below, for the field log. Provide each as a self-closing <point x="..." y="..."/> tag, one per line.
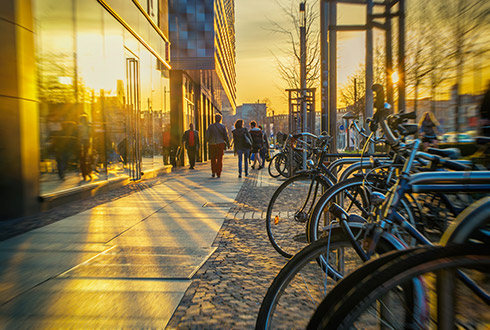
<point x="358" y="203"/>
<point x="407" y="278"/>
<point x="282" y="165"/>
<point x="328" y="196"/>
<point x="273" y="172"/>
<point x="293" y="294"/>
<point x="289" y="210"/>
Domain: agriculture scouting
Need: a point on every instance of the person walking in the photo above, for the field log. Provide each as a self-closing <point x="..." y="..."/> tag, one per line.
<point x="166" y="146"/>
<point x="485" y="114"/>
<point x="242" y="142"/>
<point x="191" y="143"/>
<point x="264" y="151"/>
<point x="257" y="142"/>
<point x="428" y="126"/>
<point x="217" y="138"/>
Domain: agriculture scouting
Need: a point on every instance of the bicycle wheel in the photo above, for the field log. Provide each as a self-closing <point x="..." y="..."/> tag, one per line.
<point x="289" y="209"/>
<point x="417" y="291"/>
<point x="302" y="283"/>
<point x="353" y="196"/>
<point x="282" y="165"/>
<point x="273" y="172"/>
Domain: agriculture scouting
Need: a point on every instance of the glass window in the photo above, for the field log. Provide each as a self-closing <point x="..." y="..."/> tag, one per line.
<point x="55" y="49"/>
<point x="114" y="116"/>
<point x="146" y="65"/>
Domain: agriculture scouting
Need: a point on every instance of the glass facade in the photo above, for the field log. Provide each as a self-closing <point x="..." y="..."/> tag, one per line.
<point x="103" y="96"/>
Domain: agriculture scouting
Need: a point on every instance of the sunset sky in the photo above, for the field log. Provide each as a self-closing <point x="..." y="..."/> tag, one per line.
<point x="257" y="74"/>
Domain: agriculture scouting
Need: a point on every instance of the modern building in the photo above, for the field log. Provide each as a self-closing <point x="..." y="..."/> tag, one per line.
<point x="203" y="78"/>
<point x="90" y="96"/>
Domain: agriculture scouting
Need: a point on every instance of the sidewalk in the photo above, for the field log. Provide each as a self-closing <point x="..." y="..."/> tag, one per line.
<point x="126" y="263"/>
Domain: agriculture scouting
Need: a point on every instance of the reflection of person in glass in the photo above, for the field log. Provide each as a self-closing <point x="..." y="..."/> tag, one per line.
<point x="191" y="142"/>
<point x="64" y="142"/>
<point x="84" y="135"/>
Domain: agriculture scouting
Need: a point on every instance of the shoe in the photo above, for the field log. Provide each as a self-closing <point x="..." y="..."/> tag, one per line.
<point x="246" y="174"/>
<point x="212" y="175"/>
<point x="261" y="167"/>
<point x="239" y="175"/>
<point x="191" y="168"/>
<point x="253" y="167"/>
<point x="219" y="175"/>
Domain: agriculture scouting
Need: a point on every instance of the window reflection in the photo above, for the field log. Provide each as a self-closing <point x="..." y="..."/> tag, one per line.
<point x="85" y="122"/>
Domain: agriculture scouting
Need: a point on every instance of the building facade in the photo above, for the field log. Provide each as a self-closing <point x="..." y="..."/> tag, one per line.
<point x="203" y="79"/>
<point x="89" y="98"/>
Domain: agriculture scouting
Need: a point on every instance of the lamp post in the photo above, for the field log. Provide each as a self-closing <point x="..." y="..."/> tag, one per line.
<point x="302" y="33"/>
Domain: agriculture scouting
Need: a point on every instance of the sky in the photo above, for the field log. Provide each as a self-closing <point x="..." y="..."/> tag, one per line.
<point x="256" y="45"/>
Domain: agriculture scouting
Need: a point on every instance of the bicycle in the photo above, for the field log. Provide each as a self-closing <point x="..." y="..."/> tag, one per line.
<point x="407" y="285"/>
<point x="317" y="261"/>
<point x="291" y="204"/>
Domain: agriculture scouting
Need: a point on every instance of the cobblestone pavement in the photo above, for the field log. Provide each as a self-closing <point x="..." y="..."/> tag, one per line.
<point x="227" y="291"/>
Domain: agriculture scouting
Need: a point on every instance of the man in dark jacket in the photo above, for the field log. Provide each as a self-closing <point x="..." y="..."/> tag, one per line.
<point x="191" y="143"/>
<point x="217" y="138"/>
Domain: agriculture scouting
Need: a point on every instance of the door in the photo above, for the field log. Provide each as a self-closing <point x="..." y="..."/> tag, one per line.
<point x="133" y="118"/>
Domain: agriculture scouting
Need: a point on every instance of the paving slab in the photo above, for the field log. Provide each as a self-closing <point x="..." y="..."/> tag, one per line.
<point x="125" y="263"/>
<point x="89" y="303"/>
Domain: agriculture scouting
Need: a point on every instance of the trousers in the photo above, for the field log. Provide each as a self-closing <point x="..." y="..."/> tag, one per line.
<point x="216" y="153"/>
<point x="191" y="153"/>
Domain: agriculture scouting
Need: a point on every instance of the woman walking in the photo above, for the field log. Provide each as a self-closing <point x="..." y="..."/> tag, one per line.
<point x="428" y="127"/>
<point x="242" y="144"/>
<point x="257" y="142"/>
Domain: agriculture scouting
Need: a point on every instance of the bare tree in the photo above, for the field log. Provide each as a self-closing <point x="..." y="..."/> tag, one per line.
<point x="288" y="64"/>
<point x="465" y="21"/>
<point x="353" y="92"/>
<point x="418" y="44"/>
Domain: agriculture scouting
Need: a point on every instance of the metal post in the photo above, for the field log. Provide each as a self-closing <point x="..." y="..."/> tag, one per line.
<point x="324" y="63"/>
<point x="369" y="61"/>
<point x="332" y="95"/>
<point x="401" y="56"/>
<point x="389" y="53"/>
<point x="304" y="110"/>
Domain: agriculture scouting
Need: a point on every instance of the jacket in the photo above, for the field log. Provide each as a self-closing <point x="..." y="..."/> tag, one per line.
<point x="185" y="139"/>
<point x="257" y="137"/>
<point x="239" y="138"/>
<point x="216" y="134"/>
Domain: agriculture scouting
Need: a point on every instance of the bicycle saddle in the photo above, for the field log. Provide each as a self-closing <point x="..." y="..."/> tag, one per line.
<point x="408" y="129"/>
<point x="451" y="153"/>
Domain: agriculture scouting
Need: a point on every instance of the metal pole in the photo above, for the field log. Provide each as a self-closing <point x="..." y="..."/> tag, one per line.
<point x="389" y="53"/>
<point x="324" y="63"/>
<point x="332" y="95"/>
<point x="304" y="111"/>
<point x="369" y="65"/>
<point x="401" y="56"/>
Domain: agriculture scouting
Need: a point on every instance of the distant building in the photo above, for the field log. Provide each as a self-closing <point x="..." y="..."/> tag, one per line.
<point x="252" y="111"/>
<point x="444" y="111"/>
